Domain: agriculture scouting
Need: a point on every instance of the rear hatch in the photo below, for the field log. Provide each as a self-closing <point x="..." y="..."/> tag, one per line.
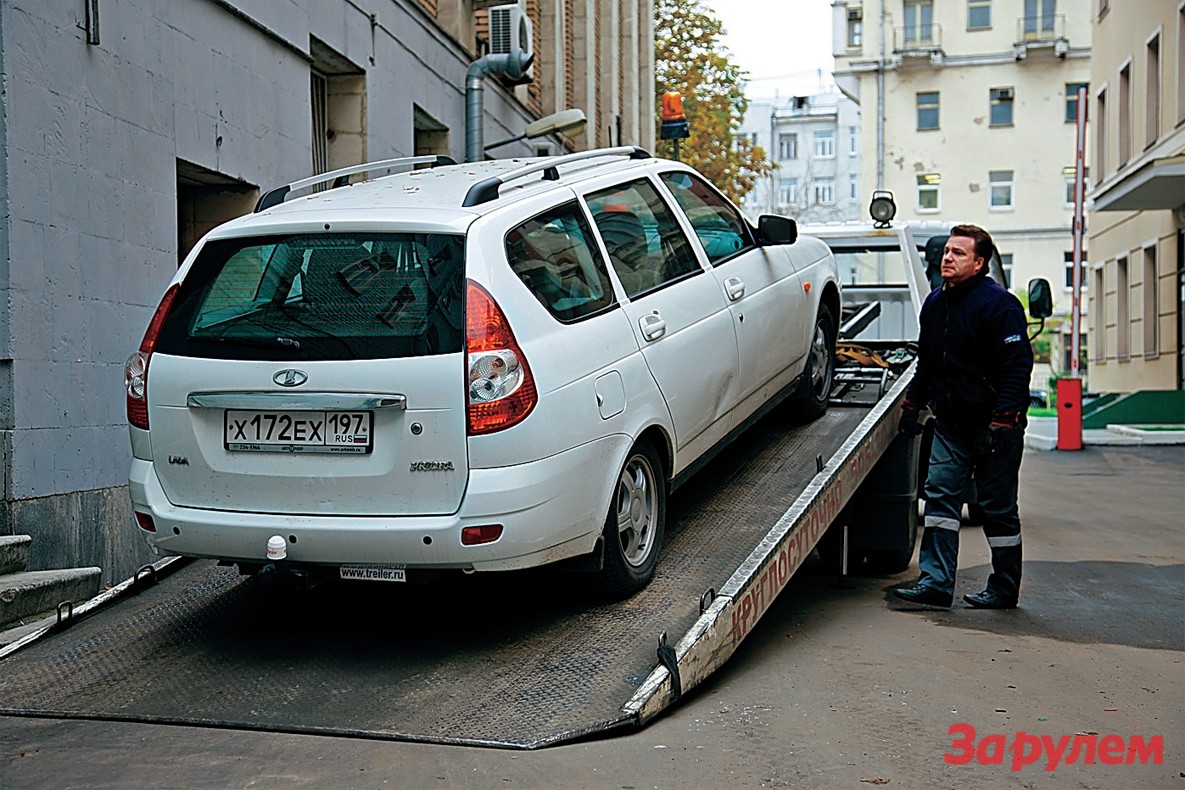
<point x="315" y="374"/>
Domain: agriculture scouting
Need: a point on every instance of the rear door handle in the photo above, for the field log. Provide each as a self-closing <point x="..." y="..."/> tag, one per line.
<point x="653" y="326"/>
<point x="734" y="287"/>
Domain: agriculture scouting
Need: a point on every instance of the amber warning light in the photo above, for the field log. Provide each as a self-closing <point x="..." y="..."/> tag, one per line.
<point x="674" y="122"/>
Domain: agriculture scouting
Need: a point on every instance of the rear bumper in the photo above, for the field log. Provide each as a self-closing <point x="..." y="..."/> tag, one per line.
<point x="550" y="510"/>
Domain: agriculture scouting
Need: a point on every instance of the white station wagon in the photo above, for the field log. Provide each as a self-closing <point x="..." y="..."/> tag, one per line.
<point x="481" y="367"/>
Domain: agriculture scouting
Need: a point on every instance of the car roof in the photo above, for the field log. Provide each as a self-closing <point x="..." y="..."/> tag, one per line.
<point x="454" y="190"/>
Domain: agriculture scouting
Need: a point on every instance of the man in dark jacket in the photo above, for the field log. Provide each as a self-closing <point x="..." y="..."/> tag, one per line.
<point x="973" y="368"/>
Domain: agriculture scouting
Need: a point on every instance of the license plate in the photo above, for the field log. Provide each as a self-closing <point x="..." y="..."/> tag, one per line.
<point x="298" y="431"/>
<point x="373" y="573"/>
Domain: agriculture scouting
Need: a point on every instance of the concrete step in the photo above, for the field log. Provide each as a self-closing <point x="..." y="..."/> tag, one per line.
<point x="14" y="553"/>
<point x="33" y="593"/>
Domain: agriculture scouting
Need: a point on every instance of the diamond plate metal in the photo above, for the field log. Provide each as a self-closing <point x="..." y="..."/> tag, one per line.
<point x="512" y="660"/>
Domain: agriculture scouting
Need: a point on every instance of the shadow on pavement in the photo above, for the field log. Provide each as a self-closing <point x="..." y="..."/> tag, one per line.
<point x="1121" y="603"/>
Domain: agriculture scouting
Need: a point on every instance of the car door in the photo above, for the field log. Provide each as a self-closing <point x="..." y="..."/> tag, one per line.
<point x="760" y="283"/>
<point x="676" y="309"/>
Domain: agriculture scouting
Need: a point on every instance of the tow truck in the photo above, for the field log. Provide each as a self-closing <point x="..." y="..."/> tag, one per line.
<point x="523" y="660"/>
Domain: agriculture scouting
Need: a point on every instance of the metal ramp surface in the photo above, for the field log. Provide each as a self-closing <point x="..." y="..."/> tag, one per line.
<point x="511" y="660"/>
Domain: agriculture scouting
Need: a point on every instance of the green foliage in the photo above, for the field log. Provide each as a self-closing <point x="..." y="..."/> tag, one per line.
<point x="690" y="59"/>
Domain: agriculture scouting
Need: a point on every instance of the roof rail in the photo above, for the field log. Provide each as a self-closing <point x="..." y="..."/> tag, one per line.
<point x="487" y="190"/>
<point x="340" y="178"/>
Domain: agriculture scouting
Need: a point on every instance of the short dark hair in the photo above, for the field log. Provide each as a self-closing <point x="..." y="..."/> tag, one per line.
<point x="984" y="246"/>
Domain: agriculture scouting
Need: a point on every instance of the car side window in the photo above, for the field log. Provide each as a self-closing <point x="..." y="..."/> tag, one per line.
<point x="645" y="243"/>
<point x="719" y="227"/>
<point x="555" y="257"/>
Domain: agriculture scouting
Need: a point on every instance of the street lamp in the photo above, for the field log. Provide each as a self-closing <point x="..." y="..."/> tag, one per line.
<point x="571" y="121"/>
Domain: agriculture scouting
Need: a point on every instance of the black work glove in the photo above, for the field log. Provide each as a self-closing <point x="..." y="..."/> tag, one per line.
<point x="1006" y="434"/>
<point x="910" y="423"/>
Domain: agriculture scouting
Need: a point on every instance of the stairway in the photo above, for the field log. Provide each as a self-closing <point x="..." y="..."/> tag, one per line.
<point x="29" y="594"/>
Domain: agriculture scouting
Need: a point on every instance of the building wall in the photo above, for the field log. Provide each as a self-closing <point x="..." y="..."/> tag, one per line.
<point x="100" y="139"/>
<point x="1145" y="351"/>
<point x="963" y="66"/>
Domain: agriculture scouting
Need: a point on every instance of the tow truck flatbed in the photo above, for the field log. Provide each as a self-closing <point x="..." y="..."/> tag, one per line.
<point x="508" y="660"/>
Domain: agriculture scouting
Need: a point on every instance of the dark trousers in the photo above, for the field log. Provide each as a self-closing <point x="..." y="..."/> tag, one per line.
<point x="954" y="457"/>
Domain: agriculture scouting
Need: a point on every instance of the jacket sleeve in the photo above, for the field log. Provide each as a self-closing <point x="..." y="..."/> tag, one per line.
<point x="920" y="385"/>
<point x="1014" y="354"/>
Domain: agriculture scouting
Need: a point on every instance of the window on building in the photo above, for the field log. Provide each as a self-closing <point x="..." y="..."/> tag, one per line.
<point x="1125" y="115"/>
<point x="825" y="191"/>
<point x="1100" y="132"/>
<point x="1180" y="63"/>
<point x="1038" y="19"/>
<point x="927" y="110"/>
<point x="853" y="140"/>
<point x="787" y="190"/>
<point x="1098" y="310"/>
<point x="853" y="187"/>
<point x="1001" y="107"/>
<point x="979" y="14"/>
<point x="919" y="22"/>
<point x="1000" y="188"/>
<point x="1151" y="304"/>
<point x="1072" y="100"/>
<point x="825" y="144"/>
<point x="746" y="140"/>
<point x="1152" y="90"/>
<point x="1068" y="174"/>
<point x="431" y="136"/>
<point x="855" y="28"/>
<point x="928" y="192"/>
<point x="1123" y="340"/>
<point x="337" y="102"/>
<point x="1006" y="265"/>
<point x="788" y="145"/>
<point x="1068" y="258"/>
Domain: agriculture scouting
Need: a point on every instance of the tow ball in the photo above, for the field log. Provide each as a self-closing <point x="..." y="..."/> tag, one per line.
<point x="277" y="574"/>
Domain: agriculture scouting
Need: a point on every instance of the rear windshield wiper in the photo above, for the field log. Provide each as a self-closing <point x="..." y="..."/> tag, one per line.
<point x="252" y="342"/>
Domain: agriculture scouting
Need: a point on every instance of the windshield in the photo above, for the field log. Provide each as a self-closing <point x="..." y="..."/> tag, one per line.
<point x="321" y="296"/>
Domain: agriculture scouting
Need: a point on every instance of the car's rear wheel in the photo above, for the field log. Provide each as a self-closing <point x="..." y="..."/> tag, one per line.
<point x="635" y="524"/>
<point x="814" y="390"/>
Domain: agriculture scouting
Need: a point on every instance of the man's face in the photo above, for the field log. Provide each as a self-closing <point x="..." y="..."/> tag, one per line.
<point x="959" y="261"/>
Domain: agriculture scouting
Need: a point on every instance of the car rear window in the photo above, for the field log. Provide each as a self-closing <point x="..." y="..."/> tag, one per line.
<point x="321" y="296"/>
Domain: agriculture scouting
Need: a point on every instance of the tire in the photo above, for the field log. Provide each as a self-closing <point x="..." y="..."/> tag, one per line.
<point x="635" y="524"/>
<point x="814" y="390"/>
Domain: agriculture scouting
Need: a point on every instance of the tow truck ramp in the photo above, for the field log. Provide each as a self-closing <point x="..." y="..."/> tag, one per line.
<point x="519" y="660"/>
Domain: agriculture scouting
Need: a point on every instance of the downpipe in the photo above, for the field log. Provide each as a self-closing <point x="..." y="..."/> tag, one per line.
<point x="514" y="64"/>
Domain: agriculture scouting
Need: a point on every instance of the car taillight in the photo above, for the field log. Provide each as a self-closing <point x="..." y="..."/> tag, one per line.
<point x="135" y="371"/>
<point x="501" y="388"/>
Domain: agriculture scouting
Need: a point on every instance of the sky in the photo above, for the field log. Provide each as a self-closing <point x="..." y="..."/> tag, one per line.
<point x="781" y="43"/>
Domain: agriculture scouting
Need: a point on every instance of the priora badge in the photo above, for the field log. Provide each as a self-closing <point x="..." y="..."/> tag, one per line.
<point x="290" y="377"/>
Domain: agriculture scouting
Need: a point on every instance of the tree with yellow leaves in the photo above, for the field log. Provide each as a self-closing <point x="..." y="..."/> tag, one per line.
<point x="689" y="58"/>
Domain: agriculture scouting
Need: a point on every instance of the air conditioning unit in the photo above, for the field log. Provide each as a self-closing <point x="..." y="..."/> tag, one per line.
<point x="1004" y="94"/>
<point x="511" y="28"/>
<point x="855" y="14"/>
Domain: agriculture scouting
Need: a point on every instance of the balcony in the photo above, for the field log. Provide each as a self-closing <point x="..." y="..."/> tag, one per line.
<point x="918" y="41"/>
<point x="1047" y="31"/>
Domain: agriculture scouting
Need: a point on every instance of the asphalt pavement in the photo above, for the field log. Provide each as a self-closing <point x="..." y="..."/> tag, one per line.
<point x="840" y="686"/>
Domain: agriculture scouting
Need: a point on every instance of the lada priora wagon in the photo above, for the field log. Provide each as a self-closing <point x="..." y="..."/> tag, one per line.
<point x="482" y="367"/>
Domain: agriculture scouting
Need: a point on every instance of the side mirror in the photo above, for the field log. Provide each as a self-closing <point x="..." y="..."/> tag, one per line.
<point x="772" y="229"/>
<point x="1040" y="299"/>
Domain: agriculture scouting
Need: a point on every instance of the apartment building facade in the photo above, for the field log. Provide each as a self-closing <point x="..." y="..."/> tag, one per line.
<point x="815" y="142"/>
<point x="1136" y="221"/>
<point x="968" y="110"/>
<point x="130" y="127"/>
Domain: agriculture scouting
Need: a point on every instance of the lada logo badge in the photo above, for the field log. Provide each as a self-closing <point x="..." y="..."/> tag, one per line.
<point x="290" y="377"/>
